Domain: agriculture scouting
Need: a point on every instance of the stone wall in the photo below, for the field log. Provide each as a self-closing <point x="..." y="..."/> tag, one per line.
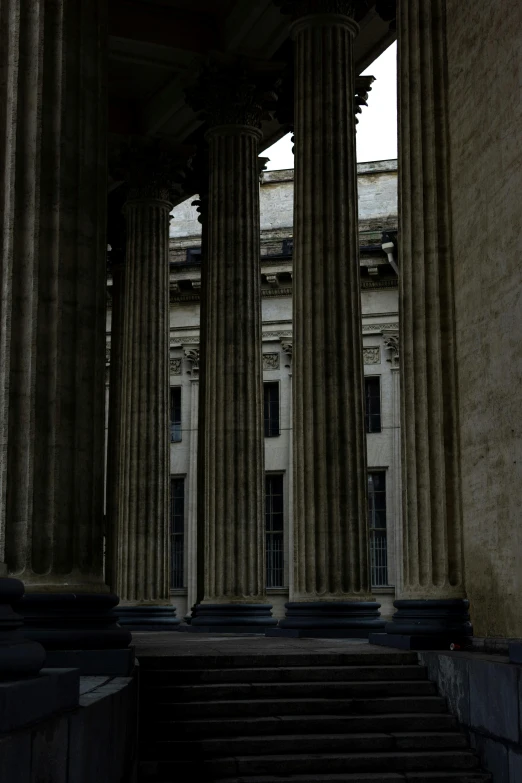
<point x="93" y="743"/>
<point x="486" y="160"/>
<point x="485" y="694"/>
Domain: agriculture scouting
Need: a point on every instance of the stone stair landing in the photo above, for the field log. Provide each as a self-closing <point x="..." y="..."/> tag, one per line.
<point x="355" y="717"/>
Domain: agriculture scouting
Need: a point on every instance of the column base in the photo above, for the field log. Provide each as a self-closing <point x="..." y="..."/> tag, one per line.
<point x="427" y="625"/>
<point x="148" y="618"/>
<point x="19" y="657"/>
<point x="231" y="618"/>
<point x="73" y="621"/>
<point x="331" y="619"/>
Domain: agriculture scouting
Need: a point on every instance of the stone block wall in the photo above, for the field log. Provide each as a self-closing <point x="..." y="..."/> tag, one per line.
<point x="92" y="743"/>
<point x="485" y="694"/>
<point x="485" y="114"/>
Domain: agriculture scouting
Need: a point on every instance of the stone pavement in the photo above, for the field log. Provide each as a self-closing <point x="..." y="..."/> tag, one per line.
<point x="183" y="644"/>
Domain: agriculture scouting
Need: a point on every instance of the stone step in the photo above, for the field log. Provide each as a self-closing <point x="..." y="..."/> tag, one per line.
<point x="153" y="711"/>
<point x="367" y="777"/>
<point x="386" y="657"/>
<point x="291" y="690"/>
<point x="297" y="743"/>
<point x="283" y="674"/>
<point x="297" y="724"/>
<point x="321" y="763"/>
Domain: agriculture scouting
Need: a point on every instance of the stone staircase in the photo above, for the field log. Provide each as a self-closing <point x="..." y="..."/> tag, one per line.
<point x="297" y="718"/>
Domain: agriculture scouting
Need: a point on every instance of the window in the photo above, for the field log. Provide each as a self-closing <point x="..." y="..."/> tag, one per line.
<point x="271" y="392"/>
<point x="193" y="255"/>
<point x="175" y="414"/>
<point x="377" y="525"/>
<point x="372" y="399"/>
<point x="288" y="247"/>
<point x="177" y="532"/>
<point x="274" y="530"/>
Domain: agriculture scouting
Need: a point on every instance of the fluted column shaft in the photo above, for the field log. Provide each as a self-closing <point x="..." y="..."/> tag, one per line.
<point x="233" y="425"/>
<point x="114" y="422"/>
<point x="192" y="516"/>
<point x="432" y="521"/>
<point x="143" y="502"/>
<point x="52" y="300"/>
<point x="330" y="515"/>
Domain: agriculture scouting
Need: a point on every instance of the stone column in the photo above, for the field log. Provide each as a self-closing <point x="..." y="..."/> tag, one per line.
<point x="192" y="357"/>
<point x="432" y="587"/>
<point x="52" y="316"/>
<point x="144" y="461"/>
<point x="331" y="587"/>
<point x="116" y="235"/>
<point x="231" y="415"/>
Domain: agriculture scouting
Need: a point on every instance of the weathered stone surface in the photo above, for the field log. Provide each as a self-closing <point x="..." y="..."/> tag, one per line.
<point x="485" y="116"/>
<point x="515" y="765"/>
<point x="432" y="525"/>
<point x="27" y="701"/>
<point x="49" y="751"/>
<point x="53" y="293"/>
<point x="493" y="756"/>
<point x="330" y="524"/>
<point x="451" y="673"/>
<point x="494" y="698"/>
<point x="142" y="550"/>
<point x="231" y="466"/>
<point x="15" y="757"/>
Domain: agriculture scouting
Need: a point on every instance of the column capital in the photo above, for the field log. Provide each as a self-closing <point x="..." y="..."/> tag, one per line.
<point x="234" y="91"/>
<point x="151" y="167"/>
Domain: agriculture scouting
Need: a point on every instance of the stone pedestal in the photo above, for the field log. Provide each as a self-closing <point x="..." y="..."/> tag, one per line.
<point x="432" y="595"/>
<point x="52" y="309"/>
<point x="331" y="579"/>
<point x="231" y="415"/>
<point x="142" y="550"/>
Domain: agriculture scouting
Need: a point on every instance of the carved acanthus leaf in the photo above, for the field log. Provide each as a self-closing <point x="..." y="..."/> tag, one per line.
<point x="372" y="355"/>
<point x="192" y="356"/>
<point x="270" y="361"/>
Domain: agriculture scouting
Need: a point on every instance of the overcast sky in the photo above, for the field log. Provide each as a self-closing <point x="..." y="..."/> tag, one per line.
<point x="377" y="128"/>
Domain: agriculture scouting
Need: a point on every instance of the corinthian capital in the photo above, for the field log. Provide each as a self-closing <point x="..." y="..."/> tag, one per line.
<point x="153" y="168"/>
<point x="299" y="8"/>
<point x="234" y="91"/>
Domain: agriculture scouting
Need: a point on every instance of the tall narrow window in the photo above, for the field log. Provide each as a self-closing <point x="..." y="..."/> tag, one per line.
<point x="274" y="517"/>
<point x="271" y="393"/>
<point x="372" y="398"/>
<point x="175" y="414"/>
<point x="377" y="525"/>
<point x="177" y="532"/>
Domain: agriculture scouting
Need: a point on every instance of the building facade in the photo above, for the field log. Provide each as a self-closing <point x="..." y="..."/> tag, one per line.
<point x="377" y="192"/>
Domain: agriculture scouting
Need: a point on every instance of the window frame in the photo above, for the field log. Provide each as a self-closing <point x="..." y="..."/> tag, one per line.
<point x="275" y="535"/>
<point x="378" y="536"/>
<point x="175" y="427"/>
<point x="177" y="535"/>
<point x="270" y="433"/>
<point x="367" y="413"/>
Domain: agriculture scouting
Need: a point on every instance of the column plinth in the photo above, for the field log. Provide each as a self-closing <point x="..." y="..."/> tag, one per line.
<point x="432" y="610"/>
<point x="231" y="449"/>
<point x="52" y="322"/>
<point x="331" y="592"/>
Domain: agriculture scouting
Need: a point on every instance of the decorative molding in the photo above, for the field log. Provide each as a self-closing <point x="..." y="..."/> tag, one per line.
<point x="276" y="335"/>
<point x="287" y="348"/>
<point x="379" y="327"/>
<point x="232" y="91"/>
<point x="192" y="356"/>
<point x="391" y="283"/>
<point x="270" y="361"/>
<point x="372" y="355"/>
<point x="391" y="343"/>
<point x="276" y="292"/>
<point x="175" y="366"/>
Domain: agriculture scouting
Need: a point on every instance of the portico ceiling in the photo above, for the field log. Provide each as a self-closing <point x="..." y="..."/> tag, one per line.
<point x="157" y="46"/>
